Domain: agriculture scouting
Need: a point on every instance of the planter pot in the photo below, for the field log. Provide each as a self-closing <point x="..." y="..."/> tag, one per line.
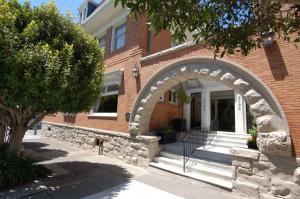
<point x="252" y="145"/>
<point x="167" y="138"/>
<point x="179" y="125"/>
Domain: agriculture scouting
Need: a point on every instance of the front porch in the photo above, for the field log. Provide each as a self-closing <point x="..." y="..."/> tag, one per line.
<point x="210" y="162"/>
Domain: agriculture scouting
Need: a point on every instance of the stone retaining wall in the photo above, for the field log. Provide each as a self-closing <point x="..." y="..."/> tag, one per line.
<point x="266" y="177"/>
<point x="137" y="151"/>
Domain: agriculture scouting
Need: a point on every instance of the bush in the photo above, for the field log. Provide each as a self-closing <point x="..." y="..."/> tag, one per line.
<point x="14" y="170"/>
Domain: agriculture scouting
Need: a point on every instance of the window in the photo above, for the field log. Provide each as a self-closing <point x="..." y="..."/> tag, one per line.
<point x="119" y="37"/>
<point x="107" y="105"/>
<point x="149" y="39"/>
<point x="102" y="42"/>
<point x="173" y="96"/>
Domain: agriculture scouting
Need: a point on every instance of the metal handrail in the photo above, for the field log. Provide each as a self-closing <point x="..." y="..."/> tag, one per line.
<point x="196" y="138"/>
<point x="214" y="125"/>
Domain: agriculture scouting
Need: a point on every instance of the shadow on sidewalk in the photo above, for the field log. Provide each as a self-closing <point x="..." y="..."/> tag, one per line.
<point x="83" y="179"/>
<point x="38" y="151"/>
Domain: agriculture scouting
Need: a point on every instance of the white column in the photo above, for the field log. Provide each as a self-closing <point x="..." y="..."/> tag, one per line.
<point x="205" y="109"/>
<point x="240" y="114"/>
<point x="187" y="112"/>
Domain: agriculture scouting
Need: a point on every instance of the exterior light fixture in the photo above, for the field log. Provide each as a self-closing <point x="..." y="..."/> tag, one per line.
<point x="135" y="71"/>
<point x="267" y="38"/>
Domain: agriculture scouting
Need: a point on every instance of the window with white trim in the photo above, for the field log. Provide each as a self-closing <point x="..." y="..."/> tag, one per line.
<point x="108" y="102"/>
<point x="102" y="42"/>
<point x="173" y="96"/>
<point x="119" y="35"/>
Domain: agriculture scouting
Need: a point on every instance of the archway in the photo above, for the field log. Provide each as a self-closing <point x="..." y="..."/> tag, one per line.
<point x="274" y="135"/>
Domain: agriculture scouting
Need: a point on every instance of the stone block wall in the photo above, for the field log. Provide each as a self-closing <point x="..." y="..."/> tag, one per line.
<point x="257" y="175"/>
<point x="137" y="151"/>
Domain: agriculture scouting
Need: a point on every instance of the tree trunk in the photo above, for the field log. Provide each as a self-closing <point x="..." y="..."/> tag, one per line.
<point x="17" y="134"/>
<point x="2" y="133"/>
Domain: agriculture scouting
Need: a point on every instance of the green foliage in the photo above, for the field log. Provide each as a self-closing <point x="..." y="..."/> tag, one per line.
<point x="226" y="26"/>
<point x="15" y="170"/>
<point x="47" y="62"/>
<point x="182" y="96"/>
<point x="253" y="131"/>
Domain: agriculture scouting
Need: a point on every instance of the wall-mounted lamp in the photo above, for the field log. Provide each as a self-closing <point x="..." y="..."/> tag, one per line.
<point x="135" y="71"/>
<point x="268" y="38"/>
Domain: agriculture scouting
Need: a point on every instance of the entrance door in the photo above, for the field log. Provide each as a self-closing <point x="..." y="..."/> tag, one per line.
<point x="222" y="111"/>
<point x="195" y="110"/>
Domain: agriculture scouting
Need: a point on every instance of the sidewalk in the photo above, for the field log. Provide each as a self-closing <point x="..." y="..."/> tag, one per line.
<point x="84" y="174"/>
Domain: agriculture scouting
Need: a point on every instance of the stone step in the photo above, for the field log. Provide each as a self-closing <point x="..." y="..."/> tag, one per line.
<point x="225" y="182"/>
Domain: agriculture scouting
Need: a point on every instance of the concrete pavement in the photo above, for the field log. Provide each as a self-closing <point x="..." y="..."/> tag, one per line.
<point x="84" y="174"/>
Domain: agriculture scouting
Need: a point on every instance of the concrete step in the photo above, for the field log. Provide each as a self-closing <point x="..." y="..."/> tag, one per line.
<point x="233" y="135"/>
<point x="228" y="145"/>
<point x="197" y="167"/>
<point x="217" y="154"/>
<point x="206" y="162"/>
<point x="209" y="175"/>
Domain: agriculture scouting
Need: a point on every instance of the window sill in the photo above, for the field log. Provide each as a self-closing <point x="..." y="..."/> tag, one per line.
<point x="103" y="115"/>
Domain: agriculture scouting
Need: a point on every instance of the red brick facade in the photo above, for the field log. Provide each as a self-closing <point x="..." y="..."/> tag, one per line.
<point x="278" y="66"/>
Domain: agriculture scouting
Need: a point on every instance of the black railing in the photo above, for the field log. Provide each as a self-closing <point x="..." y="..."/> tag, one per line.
<point x="214" y="125"/>
<point x="196" y="138"/>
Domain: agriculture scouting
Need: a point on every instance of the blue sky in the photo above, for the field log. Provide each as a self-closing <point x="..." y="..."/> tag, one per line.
<point x="63" y="5"/>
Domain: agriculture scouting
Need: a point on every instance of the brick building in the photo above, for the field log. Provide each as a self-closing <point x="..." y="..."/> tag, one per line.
<point x="151" y="83"/>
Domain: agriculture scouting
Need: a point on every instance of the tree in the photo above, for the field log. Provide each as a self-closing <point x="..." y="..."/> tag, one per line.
<point x="48" y="64"/>
<point x="230" y="27"/>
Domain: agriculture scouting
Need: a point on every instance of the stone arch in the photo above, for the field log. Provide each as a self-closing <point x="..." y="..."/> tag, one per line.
<point x="274" y="135"/>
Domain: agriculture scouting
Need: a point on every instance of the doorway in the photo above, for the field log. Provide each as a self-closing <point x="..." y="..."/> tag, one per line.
<point x="195" y="110"/>
<point x="222" y="110"/>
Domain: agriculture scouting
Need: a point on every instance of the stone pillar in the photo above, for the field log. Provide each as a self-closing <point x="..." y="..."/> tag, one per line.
<point x="240" y="114"/>
<point x="256" y="175"/>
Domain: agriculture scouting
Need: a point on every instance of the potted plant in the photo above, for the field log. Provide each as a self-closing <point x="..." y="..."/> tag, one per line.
<point x="167" y="135"/>
<point x="251" y="142"/>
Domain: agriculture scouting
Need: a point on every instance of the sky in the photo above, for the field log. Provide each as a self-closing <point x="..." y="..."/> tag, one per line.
<point x="63" y="5"/>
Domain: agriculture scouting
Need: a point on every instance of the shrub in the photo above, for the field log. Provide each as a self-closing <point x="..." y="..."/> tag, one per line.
<point x="15" y="170"/>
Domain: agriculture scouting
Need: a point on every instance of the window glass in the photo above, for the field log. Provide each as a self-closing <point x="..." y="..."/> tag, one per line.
<point x="108" y="104"/>
<point x="119" y="37"/>
<point x="102" y="42"/>
<point x="173" y="96"/>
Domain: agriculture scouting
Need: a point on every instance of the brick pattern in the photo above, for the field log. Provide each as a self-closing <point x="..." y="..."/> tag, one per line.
<point x="277" y="66"/>
<point x="164" y="113"/>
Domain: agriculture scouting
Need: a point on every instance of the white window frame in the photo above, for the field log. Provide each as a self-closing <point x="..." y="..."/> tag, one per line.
<point x="103" y="94"/>
<point x="113" y="78"/>
<point x="113" y="34"/>
<point x="173" y="96"/>
<point x="100" y="37"/>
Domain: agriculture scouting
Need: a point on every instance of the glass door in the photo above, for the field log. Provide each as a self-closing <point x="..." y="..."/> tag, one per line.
<point x="195" y="110"/>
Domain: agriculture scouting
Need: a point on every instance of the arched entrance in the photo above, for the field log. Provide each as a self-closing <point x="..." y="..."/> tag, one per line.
<point x="274" y="136"/>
